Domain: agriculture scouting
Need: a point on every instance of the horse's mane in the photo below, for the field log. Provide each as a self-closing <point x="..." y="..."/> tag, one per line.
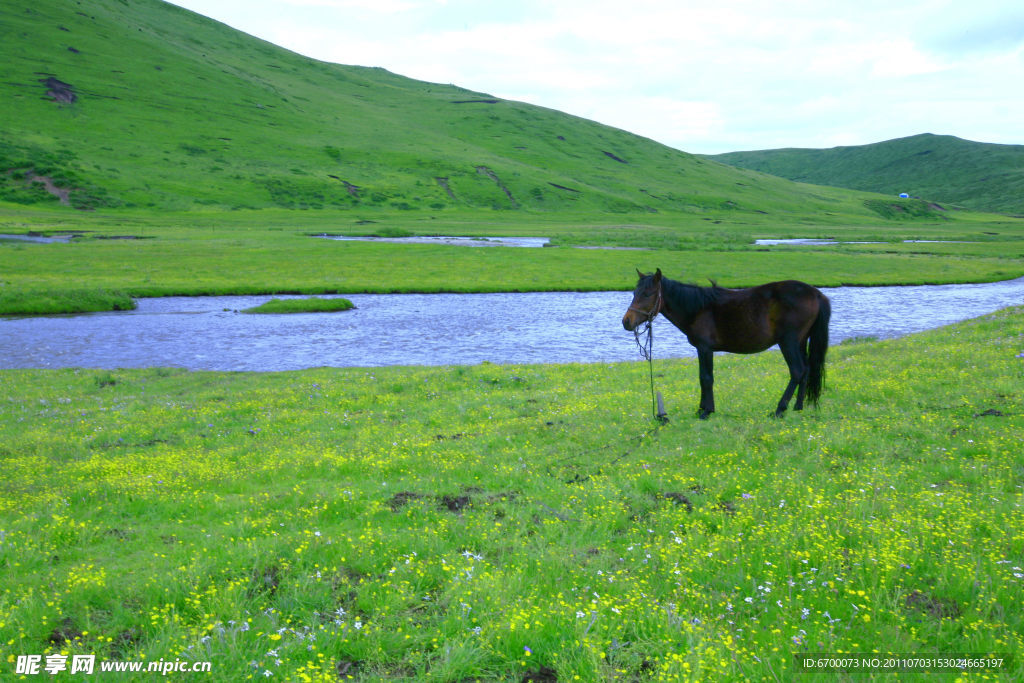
<point x="690" y="298"/>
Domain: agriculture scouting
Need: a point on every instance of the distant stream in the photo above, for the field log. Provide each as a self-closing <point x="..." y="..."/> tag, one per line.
<point x="205" y="333"/>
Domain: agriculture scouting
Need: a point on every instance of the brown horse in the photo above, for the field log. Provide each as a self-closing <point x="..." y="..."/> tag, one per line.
<point x="792" y="314"/>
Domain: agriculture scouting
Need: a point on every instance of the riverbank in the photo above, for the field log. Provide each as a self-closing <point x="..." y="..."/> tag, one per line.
<point x="24" y="301"/>
<point x="495" y="521"/>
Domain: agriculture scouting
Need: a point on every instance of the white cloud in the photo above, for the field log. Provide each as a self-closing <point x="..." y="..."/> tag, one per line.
<point x="899" y="58"/>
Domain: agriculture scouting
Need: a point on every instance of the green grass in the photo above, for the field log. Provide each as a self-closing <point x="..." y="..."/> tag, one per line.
<point x="63" y="300"/>
<point x="939" y="168"/>
<point x="310" y="305"/>
<point x="272" y="253"/>
<point x="485" y="522"/>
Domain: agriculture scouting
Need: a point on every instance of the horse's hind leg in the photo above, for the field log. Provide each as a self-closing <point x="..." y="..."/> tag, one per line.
<point x="802" y="388"/>
<point x="793" y="352"/>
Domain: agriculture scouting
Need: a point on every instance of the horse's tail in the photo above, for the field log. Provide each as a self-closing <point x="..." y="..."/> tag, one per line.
<point x="818" y="348"/>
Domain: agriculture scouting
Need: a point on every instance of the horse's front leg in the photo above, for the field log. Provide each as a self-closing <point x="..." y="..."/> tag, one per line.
<point x="706" y="361"/>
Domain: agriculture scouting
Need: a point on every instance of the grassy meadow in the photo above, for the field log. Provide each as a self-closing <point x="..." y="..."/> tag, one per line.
<point x="520" y="522"/>
<point x="269" y="252"/>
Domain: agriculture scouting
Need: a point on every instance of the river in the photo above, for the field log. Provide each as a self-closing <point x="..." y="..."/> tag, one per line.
<point x="206" y="333"/>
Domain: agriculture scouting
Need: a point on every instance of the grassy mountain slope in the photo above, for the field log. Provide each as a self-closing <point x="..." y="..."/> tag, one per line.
<point x="976" y="175"/>
<point x="144" y="104"/>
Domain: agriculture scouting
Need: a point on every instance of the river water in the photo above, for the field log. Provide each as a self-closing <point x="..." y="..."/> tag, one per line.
<point x="206" y="333"/>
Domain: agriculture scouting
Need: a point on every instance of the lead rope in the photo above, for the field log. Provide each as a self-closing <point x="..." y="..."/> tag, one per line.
<point x="647" y="351"/>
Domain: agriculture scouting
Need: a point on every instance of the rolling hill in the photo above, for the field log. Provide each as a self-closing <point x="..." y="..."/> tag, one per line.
<point x="142" y="104"/>
<point x="976" y="175"/>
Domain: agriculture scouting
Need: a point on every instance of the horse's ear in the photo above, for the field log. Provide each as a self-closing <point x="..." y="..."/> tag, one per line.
<point x="657" y="275"/>
<point x="638" y="273"/>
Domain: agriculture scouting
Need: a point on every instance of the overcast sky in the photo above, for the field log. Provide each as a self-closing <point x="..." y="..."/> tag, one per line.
<point x="704" y="76"/>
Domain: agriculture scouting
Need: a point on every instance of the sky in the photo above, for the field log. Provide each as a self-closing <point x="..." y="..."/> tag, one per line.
<point x="703" y="76"/>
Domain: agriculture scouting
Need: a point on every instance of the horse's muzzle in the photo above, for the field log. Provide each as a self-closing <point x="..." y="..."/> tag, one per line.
<point x="628" y="324"/>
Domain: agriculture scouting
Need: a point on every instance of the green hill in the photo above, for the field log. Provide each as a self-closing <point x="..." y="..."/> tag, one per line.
<point x="109" y="103"/>
<point x="942" y="168"/>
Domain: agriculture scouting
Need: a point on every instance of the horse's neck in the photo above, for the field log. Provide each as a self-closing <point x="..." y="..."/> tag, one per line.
<point x="683" y="302"/>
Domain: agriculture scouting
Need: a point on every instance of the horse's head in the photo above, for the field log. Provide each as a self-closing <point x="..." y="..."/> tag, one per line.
<point x="646" y="301"/>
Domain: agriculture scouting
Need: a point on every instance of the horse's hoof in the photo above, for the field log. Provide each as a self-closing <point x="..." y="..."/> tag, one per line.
<point x="778" y="414"/>
<point x="704" y="414"/>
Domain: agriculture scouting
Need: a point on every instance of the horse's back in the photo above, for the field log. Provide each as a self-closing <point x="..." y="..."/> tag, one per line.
<point x="752" y="319"/>
<point x="792" y="292"/>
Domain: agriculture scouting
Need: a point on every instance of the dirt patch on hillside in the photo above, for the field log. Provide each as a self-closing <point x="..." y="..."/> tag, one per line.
<point x="61" y="193"/>
<point x="443" y="182"/>
<point x="487" y="172"/>
<point x="59" y="91"/>
<point x="353" y="190"/>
